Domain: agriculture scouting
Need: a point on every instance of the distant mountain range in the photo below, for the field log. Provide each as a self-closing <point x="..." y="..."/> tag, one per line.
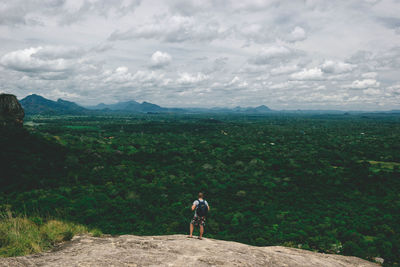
<point x="36" y="104"/>
<point x="130" y="106"/>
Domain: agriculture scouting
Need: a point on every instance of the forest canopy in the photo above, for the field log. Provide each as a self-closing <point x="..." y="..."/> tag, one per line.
<point x="328" y="183"/>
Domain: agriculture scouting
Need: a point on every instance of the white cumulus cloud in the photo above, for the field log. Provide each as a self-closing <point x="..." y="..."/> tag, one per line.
<point x="29" y="60"/>
<point x="160" y="59"/>
<point x="363" y="84"/>
<point x="187" y="78"/>
<point x="308" y="74"/>
<point x="336" y="67"/>
<point x="298" y="34"/>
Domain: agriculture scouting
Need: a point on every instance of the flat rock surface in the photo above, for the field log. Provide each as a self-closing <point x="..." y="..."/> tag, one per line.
<point x="175" y="250"/>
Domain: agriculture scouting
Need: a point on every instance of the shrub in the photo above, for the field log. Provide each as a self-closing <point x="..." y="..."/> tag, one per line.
<point x="96" y="232"/>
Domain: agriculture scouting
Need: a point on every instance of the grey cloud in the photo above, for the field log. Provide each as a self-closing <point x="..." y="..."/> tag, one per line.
<point x="191" y="7"/>
<point x="390" y="22"/>
<point x="389" y="58"/>
<point x="102" y="47"/>
<point x="372" y="92"/>
<point x="297" y="34"/>
<point x="252" y="5"/>
<point x="273" y="54"/>
<point x="55" y="52"/>
<point x="53" y="75"/>
<point x="35" y="12"/>
<point x="284" y="69"/>
<point x="253" y="32"/>
<point x="101" y="7"/>
<point x="188" y="8"/>
<point x="173" y="29"/>
<point x="369" y="75"/>
<point x="18" y="12"/>
<point x="220" y="63"/>
<point x="372" y="60"/>
<point x="394" y="90"/>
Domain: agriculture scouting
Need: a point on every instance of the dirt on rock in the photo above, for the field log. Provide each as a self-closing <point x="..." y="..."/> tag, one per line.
<point x="175" y="250"/>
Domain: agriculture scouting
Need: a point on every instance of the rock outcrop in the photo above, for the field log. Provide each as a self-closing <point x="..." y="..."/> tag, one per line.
<point x="176" y="250"/>
<point x="11" y="111"/>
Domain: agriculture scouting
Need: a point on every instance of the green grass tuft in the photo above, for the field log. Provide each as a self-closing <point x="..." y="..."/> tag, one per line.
<point x="96" y="232"/>
<point x="22" y="235"/>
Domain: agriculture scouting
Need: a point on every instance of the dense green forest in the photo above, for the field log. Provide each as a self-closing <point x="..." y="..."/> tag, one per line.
<point x="328" y="183"/>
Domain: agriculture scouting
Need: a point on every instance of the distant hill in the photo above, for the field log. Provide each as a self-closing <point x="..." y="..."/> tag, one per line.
<point x="130" y="106"/>
<point x="146" y="107"/>
<point x="259" y="109"/>
<point x="36" y="104"/>
<point x="117" y="106"/>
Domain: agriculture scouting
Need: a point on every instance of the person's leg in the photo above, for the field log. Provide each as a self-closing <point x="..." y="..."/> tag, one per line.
<point x="191" y="230"/>
<point x="201" y="231"/>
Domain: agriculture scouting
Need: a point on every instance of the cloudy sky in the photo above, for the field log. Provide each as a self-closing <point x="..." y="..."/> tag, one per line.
<point x="294" y="54"/>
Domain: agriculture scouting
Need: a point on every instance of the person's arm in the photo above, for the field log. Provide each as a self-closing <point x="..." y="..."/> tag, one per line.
<point x="194" y="204"/>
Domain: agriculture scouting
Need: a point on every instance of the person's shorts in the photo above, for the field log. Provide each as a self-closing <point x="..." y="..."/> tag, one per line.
<point x="197" y="221"/>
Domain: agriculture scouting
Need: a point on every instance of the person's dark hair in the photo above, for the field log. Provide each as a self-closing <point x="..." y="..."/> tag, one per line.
<point x="201" y="195"/>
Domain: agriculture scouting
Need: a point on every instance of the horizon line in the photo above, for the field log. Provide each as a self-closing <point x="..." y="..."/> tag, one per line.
<point x="220" y="107"/>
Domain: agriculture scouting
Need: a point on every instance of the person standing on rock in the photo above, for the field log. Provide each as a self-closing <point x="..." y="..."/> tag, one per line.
<point x="201" y="208"/>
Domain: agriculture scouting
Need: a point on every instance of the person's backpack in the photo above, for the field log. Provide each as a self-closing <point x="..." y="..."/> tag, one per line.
<point x="202" y="208"/>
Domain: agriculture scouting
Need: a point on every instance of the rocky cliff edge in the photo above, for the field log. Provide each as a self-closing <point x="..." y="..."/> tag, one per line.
<point x="175" y="250"/>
